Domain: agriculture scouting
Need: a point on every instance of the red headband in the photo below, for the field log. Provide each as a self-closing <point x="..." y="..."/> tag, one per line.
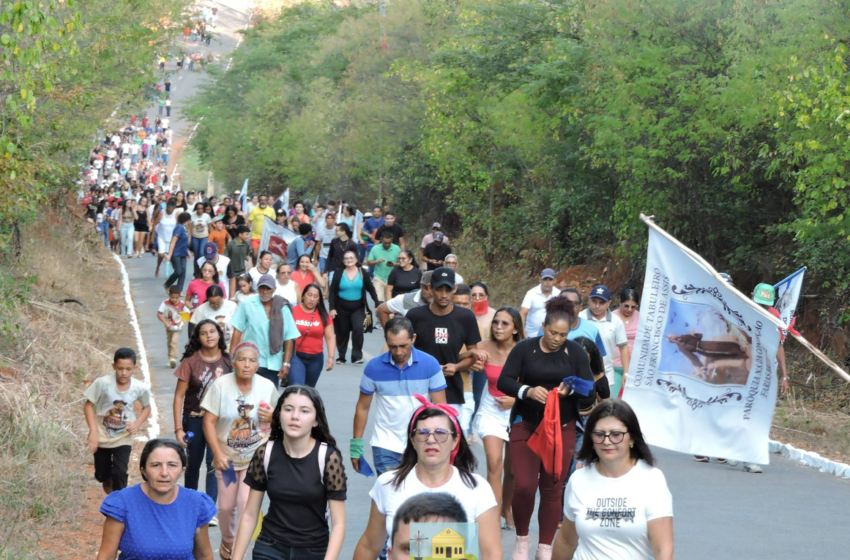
<point x="447" y="409"/>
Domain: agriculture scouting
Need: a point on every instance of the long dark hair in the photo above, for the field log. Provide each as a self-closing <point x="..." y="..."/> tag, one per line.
<point x="194" y="343"/>
<point x="517" y="319"/>
<point x="597" y="365"/>
<point x="321" y="433"/>
<point x="464" y="460"/>
<point x="620" y="410"/>
<point x="320" y="305"/>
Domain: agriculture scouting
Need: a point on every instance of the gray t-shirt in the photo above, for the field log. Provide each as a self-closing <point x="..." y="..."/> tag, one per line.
<point x="325" y="236"/>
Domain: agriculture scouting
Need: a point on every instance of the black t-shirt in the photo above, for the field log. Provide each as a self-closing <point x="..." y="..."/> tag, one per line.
<point x="528" y="365"/>
<point x="404" y="282"/>
<point x="436" y="253"/>
<point x="443" y="337"/>
<point x="395" y="229"/>
<point x="297" y="498"/>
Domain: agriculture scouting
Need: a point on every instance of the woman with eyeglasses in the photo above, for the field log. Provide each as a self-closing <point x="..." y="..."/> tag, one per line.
<point x="405" y="277"/>
<point x="436" y="459"/>
<point x="628" y="313"/>
<point x="618" y="506"/>
<point x="347" y="302"/>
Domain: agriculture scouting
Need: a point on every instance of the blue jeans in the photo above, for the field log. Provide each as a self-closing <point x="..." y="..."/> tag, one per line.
<point x="322" y="261"/>
<point x="271" y="375"/>
<point x="579" y="438"/>
<point x="179" y="275"/>
<point x="267" y="549"/>
<point x="479" y="382"/>
<point x="104" y="231"/>
<point x="306" y="369"/>
<point x="196" y="449"/>
<point x="127" y="232"/>
<point x="385" y="460"/>
<point x="165" y="159"/>
<point x="197" y="251"/>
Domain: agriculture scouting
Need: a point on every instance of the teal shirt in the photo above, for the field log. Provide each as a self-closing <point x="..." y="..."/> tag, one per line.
<point x="350" y="290"/>
<point x="250" y="319"/>
<point x="377" y="253"/>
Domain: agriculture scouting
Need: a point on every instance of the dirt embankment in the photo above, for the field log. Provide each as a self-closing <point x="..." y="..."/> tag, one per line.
<point x="63" y="315"/>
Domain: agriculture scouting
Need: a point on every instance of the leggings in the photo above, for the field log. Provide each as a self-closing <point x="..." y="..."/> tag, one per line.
<point x="127" y="233"/>
<point x="231" y="502"/>
<point x="527" y="468"/>
<point x="349" y="324"/>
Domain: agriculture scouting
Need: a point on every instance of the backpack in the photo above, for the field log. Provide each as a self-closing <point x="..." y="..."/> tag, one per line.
<point x="323" y="460"/>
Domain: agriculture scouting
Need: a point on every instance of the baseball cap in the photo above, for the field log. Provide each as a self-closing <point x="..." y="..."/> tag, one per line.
<point x="764" y="294"/>
<point x="281" y="211"/>
<point x="439" y="236"/>
<point x="436" y="225"/>
<point x="443" y="276"/>
<point x="268" y="281"/>
<point x="210" y="250"/>
<point x="547" y="273"/>
<point x="600" y="292"/>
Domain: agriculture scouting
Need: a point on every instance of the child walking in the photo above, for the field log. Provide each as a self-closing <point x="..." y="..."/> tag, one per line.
<point x="112" y="421"/>
<point x="170" y="315"/>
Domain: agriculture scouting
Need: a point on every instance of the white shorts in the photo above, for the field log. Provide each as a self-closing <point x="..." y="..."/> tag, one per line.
<point x="491" y="420"/>
<point x="162" y="245"/>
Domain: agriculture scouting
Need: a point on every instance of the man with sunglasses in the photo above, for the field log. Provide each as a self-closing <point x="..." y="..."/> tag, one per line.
<point x="391" y="379"/>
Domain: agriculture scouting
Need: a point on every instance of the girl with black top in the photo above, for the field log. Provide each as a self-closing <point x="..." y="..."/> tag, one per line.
<point x="405" y="277"/>
<point x="348" y="305"/>
<point x="534" y="367"/>
<point x="339" y="245"/>
<point x="304" y="477"/>
<point x="141" y="226"/>
<point x="232" y="220"/>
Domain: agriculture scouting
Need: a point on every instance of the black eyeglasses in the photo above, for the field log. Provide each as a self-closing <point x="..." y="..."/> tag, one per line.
<point x="613" y="437"/>
<point x="440" y="436"/>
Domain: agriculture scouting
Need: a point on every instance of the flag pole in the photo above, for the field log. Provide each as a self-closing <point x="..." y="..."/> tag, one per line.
<point x="800" y="338"/>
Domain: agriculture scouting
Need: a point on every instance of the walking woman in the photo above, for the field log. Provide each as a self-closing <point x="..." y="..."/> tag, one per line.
<point x="307" y="273"/>
<point x="204" y="360"/>
<point x="141" y="227"/>
<point x="180" y="198"/>
<point x="405" y="277"/>
<point x="436" y="459"/>
<point x="339" y="246"/>
<point x="536" y="366"/>
<point x="178" y="251"/>
<point x="264" y="266"/>
<point x="286" y="287"/>
<point x="157" y="518"/>
<point x="619" y="471"/>
<point x="126" y="227"/>
<point x="217" y="308"/>
<point x="493" y="417"/>
<point x="232" y="220"/>
<point x="316" y="329"/>
<point x="200" y="231"/>
<point x="196" y="293"/>
<point x="164" y="225"/>
<point x="245" y="285"/>
<point x="348" y="307"/>
<point x="236" y="407"/>
<point x="302" y="471"/>
<point x="629" y="314"/>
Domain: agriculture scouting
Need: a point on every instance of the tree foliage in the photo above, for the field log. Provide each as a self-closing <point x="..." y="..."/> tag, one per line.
<point x="546" y="128"/>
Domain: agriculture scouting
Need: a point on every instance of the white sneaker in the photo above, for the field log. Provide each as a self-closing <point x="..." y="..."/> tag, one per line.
<point x="214" y="521"/>
<point x="520" y="548"/>
<point x="752" y="468"/>
<point x="732" y="463"/>
<point x="544" y="552"/>
<point x="172" y="363"/>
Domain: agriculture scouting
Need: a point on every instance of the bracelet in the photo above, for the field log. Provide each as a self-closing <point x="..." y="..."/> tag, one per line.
<point x="287" y="364"/>
<point x="786" y="378"/>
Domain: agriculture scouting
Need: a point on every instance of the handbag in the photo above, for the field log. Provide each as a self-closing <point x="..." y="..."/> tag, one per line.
<point x="368" y="322"/>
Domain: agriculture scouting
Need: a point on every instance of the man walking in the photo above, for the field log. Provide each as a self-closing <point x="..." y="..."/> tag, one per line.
<point x="257" y="219"/>
<point x="238" y="250"/>
<point x="533" y="309"/>
<point x="383" y="257"/>
<point x="611" y="330"/>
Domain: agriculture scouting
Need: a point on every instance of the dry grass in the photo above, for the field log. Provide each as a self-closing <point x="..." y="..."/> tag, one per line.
<point x="48" y="351"/>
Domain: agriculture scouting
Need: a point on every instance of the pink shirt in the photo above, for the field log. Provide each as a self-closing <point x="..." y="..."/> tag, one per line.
<point x="493" y="373"/>
<point x="631" y="331"/>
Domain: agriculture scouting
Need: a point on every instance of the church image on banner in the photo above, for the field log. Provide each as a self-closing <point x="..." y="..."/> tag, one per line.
<point x="448" y="544"/>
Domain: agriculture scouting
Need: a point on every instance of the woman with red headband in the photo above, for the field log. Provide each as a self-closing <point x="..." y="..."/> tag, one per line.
<point x="436" y="459"/>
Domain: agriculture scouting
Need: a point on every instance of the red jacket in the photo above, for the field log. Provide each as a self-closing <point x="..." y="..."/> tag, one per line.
<point x="546" y="441"/>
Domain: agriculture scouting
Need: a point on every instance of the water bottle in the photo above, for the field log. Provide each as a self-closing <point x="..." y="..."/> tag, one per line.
<point x="188" y="437"/>
<point x="194" y="301"/>
<point x="265" y="427"/>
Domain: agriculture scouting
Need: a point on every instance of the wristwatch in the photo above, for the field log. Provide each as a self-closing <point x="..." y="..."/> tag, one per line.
<point x="287" y="364"/>
<point x="785" y="378"/>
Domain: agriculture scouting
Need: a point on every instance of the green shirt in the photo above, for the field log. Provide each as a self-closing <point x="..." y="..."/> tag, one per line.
<point x="250" y="319"/>
<point x="377" y="253"/>
<point x="237" y="253"/>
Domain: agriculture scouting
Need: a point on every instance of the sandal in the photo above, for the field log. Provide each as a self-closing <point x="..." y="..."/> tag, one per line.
<point x="225" y="551"/>
<point x="509" y="526"/>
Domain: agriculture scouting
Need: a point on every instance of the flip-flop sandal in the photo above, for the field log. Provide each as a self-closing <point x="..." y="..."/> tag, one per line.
<point x="509" y="526"/>
<point x="225" y="552"/>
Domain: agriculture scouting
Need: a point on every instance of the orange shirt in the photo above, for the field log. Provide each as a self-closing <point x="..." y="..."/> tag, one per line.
<point x="219" y="238"/>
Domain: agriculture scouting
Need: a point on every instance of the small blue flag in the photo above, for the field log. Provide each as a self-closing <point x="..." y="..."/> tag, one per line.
<point x="579" y="385"/>
<point x="229" y="476"/>
<point x="365" y="469"/>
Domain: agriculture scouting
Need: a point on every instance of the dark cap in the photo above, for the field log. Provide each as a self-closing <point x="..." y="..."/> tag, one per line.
<point x="547" y="273"/>
<point x="268" y="281"/>
<point x="443" y="276"/>
<point x="600" y="292"/>
<point x="438" y="236"/>
<point x="210" y="250"/>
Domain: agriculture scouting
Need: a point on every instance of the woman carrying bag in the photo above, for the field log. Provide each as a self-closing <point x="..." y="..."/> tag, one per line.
<point x="348" y="306"/>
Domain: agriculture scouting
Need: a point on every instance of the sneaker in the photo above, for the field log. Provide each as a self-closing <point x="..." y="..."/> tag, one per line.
<point x="340" y="361"/>
<point x="544" y="552"/>
<point x="732" y="463"/>
<point x="358" y="362"/>
<point x="172" y="363"/>
<point x="700" y="459"/>
<point x="520" y="548"/>
<point x="214" y="521"/>
<point x="721" y="461"/>
<point x="752" y="468"/>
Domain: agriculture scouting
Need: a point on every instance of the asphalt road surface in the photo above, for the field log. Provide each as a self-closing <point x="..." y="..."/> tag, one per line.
<point x="789" y="512"/>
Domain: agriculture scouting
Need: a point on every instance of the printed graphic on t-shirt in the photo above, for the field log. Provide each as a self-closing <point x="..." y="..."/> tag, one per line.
<point x="222" y="321"/>
<point x="206" y="378"/>
<point x="244" y="431"/>
<point x="115" y="419"/>
<point x="611" y="511"/>
<point x="441" y="335"/>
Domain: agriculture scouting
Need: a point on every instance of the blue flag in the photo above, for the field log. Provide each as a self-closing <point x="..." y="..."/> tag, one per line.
<point x="579" y="385"/>
<point x="365" y="469"/>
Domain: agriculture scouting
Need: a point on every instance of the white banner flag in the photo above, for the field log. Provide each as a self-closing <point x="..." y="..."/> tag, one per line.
<point x="788" y="294"/>
<point x="702" y="377"/>
<point x="275" y="240"/>
<point x="284" y="201"/>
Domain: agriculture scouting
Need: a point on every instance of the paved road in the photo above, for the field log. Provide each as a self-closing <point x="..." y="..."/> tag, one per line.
<point x="789" y="512"/>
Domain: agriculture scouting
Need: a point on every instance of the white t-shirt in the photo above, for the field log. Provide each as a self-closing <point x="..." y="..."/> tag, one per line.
<point x="397" y="304"/>
<point x="200" y="225"/>
<point x="255" y="275"/>
<point x="113" y="409"/>
<point x="535" y="301"/>
<point x="222" y="316"/>
<point x="613" y="334"/>
<point x="288" y="292"/>
<point x="611" y="514"/>
<point x="324" y="236"/>
<point x="238" y="425"/>
<point x="475" y="501"/>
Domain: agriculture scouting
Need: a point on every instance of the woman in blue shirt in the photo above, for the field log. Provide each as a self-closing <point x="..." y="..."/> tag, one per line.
<point x="348" y="305"/>
<point x="157" y="519"/>
<point x="178" y="251"/>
